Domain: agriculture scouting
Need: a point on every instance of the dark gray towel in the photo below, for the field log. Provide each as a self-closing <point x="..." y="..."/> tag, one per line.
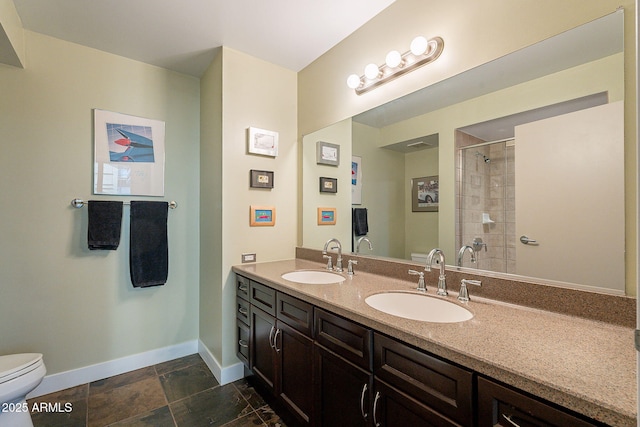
<point x="360" y="224"/>
<point x="105" y="222"/>
<point x="149" y="249"/>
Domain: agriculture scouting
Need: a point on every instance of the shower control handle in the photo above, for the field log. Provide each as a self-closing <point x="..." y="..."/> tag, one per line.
<point x="528" y="241"/>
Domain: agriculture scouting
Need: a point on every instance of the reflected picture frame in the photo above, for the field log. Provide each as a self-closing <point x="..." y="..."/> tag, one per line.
<point x="424" y="194"/>
<point x="327" y="153"/>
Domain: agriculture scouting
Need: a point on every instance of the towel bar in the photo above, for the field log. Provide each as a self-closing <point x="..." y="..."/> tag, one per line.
<point x="79" y="203"/>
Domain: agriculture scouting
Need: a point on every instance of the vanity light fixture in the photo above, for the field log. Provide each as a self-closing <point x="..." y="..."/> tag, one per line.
<point x="421" y="52"/>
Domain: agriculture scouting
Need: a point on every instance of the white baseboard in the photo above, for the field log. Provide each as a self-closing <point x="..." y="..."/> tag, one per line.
<point x="87" y="374"/>
<point x="223" y="375"/>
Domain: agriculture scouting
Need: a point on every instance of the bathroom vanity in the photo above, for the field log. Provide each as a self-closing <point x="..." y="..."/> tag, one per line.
<point x="331" y="359"/>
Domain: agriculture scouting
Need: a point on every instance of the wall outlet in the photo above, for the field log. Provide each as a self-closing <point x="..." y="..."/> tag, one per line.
<point x="248" y="257"/>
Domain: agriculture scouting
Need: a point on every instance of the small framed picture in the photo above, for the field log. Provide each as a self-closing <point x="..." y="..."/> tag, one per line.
<point x="326" y="216"/>
<point x="424" y="194"/>
<point x="262" y="216"/>
<point x="328" y="185"/>
<point x="261" y="179"/>
<point x="327" y="153"/>
<point x="260" y="141"/>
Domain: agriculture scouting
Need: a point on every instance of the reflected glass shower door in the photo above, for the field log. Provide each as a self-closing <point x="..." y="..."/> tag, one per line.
<point x="486" y="204"/>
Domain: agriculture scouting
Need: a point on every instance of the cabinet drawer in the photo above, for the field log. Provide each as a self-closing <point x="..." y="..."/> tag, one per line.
<point x="435" y="382"/>
<point x="502" y="406"/>
<point x="263" y="297"/>
<point x="295" y="313"/>
<point x="242" y="287"/>
<point x="344" y="337"/>
<point x="243" y="311"/>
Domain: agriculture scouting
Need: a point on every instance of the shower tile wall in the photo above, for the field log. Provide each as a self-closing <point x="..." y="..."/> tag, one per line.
<point x="488" y="188"/>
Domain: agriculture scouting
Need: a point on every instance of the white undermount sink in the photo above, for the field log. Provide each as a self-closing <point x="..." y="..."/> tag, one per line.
<point x="313" y="277"/>
<point x="418" y="307"/>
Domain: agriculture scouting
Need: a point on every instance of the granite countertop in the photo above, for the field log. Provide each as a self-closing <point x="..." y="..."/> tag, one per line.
<point x="584" y="365"/>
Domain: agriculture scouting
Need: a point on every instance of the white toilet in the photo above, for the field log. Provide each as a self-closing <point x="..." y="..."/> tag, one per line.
<point x="19" y="375"/>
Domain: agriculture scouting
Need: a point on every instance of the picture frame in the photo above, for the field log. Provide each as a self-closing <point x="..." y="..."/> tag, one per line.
<point x="262" y="216"/>
<point x="129" y="154"/>
<point x="424" y="194"/>
<point x="327" y="153"/>
<point x="356" y="180"/>
<point x="328" y="185"/>
<point x="262" y="141"/>
<point x="261" y="179"/>
<point x="326" y="216"/>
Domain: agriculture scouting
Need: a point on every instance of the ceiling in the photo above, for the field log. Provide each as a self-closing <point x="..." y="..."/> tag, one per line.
<point x="183" y="35"/>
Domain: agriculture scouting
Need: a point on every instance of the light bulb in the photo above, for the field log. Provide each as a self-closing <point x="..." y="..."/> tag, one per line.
<point x="393" y="59"/>
<point x="353" y="81"/>
<point x="371" y="71"/>
<point x="419" y="45"/>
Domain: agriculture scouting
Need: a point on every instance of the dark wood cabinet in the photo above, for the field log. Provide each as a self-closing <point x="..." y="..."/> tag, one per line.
<point x="342" y="366"/>
<point x="295" y="374"/>
<point x="263" y="355"/>
<point x="433" y="382"/>
<point x="342" y="391"/>
<point x="327" y="370"/>
<point x="392" y="408"/>
<point x="502" y="406"/>
<point x="280" y="347"/>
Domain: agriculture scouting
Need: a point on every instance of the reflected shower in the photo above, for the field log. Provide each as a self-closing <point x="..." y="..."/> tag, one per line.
<point x="485" y="158"/>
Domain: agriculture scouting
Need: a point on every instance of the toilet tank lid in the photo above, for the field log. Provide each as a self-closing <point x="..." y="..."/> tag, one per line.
<point x="13" y="363"/>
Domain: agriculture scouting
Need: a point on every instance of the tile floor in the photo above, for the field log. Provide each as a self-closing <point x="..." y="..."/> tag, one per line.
<point x="178" y="393"/>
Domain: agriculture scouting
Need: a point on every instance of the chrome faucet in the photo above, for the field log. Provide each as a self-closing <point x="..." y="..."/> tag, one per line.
<point x="464" y="249"/>
<point x="360" y="240"/>
<point x="442" y="284"/>
<point x="338" y="246"/>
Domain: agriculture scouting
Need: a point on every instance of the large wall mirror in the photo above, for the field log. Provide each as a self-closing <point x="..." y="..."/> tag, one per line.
<point x="529" y="146"/>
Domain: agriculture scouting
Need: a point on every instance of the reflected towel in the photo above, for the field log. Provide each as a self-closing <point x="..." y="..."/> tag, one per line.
<point x="105" y="223"/>
<point x="360" y="224"/>
<point x="149" y="250"/>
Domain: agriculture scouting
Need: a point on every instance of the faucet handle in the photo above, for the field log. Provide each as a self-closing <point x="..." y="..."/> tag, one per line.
<point x="329" y="261"/>
<point x="421" y="286"/>
<point x="350" y="264"/>
<point x="464" y="292"/>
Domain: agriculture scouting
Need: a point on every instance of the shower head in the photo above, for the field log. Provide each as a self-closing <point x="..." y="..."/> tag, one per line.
<point x="485" y="158"/>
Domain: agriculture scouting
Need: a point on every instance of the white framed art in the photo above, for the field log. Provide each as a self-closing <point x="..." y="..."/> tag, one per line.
<point x="129" y="154"/>
<point x="261" y="141"/>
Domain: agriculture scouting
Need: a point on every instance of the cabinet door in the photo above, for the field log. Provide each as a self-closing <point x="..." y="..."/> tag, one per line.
<point x="244" y="338"/>
<point x="342" y="391"/>
<point x="294" y="352"/>
<point x="263" y="356"/>
<point x="392" y="408"/>
<point x="501" y="406"/>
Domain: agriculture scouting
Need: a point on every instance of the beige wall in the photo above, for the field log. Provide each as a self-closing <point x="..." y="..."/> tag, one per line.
<point x="474" y="33"/>
<point x="315" y="235"/>
<point x="382" y="192"/>
<point x="76" y="306"/>
<point x="239" y="92"/>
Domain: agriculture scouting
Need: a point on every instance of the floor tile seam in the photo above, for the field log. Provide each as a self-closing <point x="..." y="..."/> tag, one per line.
<point x="192" y="395"/>
<point x="244" y="416"/>
<point x="244" y="397"/>
<point x="89" y="394"/>
<point x="135" y="415"/>
<point x="262" y="419"/>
